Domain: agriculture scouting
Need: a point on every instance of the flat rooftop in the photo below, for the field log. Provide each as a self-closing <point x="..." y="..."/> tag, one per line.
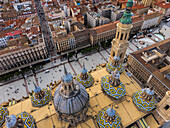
<point x="46" y="115"/>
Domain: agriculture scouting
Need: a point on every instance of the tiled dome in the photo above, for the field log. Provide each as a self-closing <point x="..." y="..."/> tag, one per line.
<point x="43" y="101"/>
<point x="85" y="78"/>
<point x="26" y="120"/>
<point x="108" y="118"/>
<point x="144" y="99"/>
<point x="44" y="98"/>
<point x="110" y="67"/>
<point x="112" y="85"/>
<point x="73" y="104"/>
<point x="3" y="113"/>
<point x="71" y="100"/>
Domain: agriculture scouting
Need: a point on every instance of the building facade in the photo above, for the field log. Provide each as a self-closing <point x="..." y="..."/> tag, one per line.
<point x="21" y="58"/>
<point x="152" y="19"/>
<point x="65" y="42"/>
<point x="150" y="66"/>
<point x="94" y="19"/>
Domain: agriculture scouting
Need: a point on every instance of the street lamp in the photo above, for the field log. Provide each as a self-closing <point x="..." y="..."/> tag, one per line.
<point x="32" y="70"/>
<point x="21" y="73"/>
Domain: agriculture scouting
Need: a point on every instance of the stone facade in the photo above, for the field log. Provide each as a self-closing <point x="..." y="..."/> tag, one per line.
<point x="163" y="107"/>
<point x="21" y="58"/>
<point x="147" y="73"/>
<point x="152" y="19"/>
<point x="120" y="43"/>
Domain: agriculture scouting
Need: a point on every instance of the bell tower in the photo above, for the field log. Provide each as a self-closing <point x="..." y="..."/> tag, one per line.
<point x="120" y="42"/>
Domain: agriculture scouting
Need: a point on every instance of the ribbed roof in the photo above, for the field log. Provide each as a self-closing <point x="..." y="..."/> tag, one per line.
<point x="73" y="104"/>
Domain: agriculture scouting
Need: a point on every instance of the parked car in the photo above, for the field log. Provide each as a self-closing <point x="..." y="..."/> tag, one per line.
<point x="149" y="35"/>
<point x="47" y="71"/>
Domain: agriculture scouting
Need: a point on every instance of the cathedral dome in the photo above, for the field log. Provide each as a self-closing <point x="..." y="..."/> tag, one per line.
<point x="3" y="113"/>
<point x="144" y="99"/>
<point x="85" y="78"/>
<point x="108" y="118"/>
<point x="112" y="86"/>
<point x="71" y="100"/>
<point x="73" y="104"/>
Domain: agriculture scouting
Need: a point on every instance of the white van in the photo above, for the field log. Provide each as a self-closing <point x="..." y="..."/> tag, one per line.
<point x="47" y="71"/>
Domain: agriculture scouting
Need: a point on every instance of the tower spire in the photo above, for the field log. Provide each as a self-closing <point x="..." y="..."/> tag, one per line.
<point x="126" y="18"/>
<point x="35" y="85"/>
<point x="65" y="70"/>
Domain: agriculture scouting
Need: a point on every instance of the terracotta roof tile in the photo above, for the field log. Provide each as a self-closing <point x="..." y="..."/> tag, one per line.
<point x="105" y="27"/>
<point x="163" y="4"/>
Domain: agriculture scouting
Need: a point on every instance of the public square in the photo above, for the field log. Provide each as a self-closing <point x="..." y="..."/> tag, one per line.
<point x="20" y="87"/>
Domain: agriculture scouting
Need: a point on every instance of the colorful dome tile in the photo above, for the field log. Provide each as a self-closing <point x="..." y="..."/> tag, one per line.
<point x="42" y="101"/>
<point x="110" y="67"/>
<point x="27" y="120"/>
<point x="115" y="92"/>
<point x="141" y="102"/>
<point x="108" y="118"/>
<point x="3" y="113"/>
<point x="86" y="83"/>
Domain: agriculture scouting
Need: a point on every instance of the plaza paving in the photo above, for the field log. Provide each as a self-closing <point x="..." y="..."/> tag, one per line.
<point x="17" y="89"/>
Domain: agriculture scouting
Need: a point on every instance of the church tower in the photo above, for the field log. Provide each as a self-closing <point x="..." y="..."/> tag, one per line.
<point x="120" y="43"/>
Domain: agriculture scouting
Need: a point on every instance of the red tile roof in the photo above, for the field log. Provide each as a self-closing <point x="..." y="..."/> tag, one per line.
<point x="163" y="4"/>
<point x="13" y="33"/>
<point x="137" y="6"/>
<point x="105" y="27"/>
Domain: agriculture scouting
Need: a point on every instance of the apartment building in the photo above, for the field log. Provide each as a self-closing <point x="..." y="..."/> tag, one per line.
<point x="151" y="66"/>
<point x="94" y="19"/>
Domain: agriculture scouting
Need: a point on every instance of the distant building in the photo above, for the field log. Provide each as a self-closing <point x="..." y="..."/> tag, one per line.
<point x="146" y="2"/>
<point x="64" y="42"/>
<point x="151" y="66"/>
<point x="163" y="6"/>
<point x="106" y="32"/>
<point x="20" y="54"/>
<point x="82" y="38"/>
<point x="14" y="35"/>
<point x="105" y="11"/>
<point x="116" y="15"/>
<point x="152" y="19"/>
<point x="3" y="42"/>
<point x="75" y="10"/>
<point x="94" y="19"/>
